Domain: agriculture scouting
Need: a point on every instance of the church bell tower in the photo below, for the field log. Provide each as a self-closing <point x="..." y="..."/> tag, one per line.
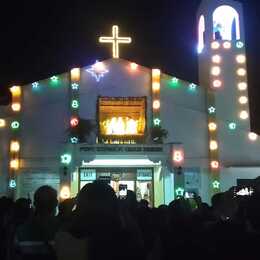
<point x="223" y="73"/>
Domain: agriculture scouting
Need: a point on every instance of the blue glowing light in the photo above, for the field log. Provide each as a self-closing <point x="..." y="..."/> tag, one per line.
<point x="98" y="70"/>
<point x="74" y="140"/>
<point x="12" y="184"/>
<point x="35" y="85"/>
<point x="75" y="86"/>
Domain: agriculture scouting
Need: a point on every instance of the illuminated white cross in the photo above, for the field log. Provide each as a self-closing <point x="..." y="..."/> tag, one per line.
<point x="115" y="40"/>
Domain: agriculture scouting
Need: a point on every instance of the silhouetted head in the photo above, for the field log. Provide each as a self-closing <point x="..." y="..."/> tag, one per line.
<point x="97" y="198"/>
<point x="65" y="207"/>
<point x="45" y="200"/>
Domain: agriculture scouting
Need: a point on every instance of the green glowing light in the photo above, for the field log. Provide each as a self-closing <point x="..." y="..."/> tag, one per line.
<point x="212" y="110"/>
<point x="12" y="184"/>
<point x="240" y="44"/>
<point x="75" y="104"/>
<point x="157" y="121"/>
<point x="66" y="158"/>
<point x="216" y="184"/>
<point x="15" y="125"/>
<point x="54" y="79"/>
<point x="74" y="140"/>
<point x="179" y="191"/>
<point x="192" y="87"/>
<point x="232" y="126"/>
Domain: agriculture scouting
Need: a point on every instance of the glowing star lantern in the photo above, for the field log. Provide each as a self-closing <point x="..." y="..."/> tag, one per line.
<point x="156" y="104"/>
<point x="175" y="81"/>
<point x="16" y="107"/>
<point x="65" y="192"/>
<point x="15" y="125"/>
<point x="98" y="70"/>
<point x="212" y="110"/>
<point x="16" y="91"/>
<point x="74" y="121"/>
<point x="75" y="86"/>
<point x="216" y="184"/>
<point x="75" y="74"/>
<point x="157" y="121"/>
<point x="54" y="79"/>
<point x="74" y="140"/>
<point x="232" y="126"/>
<point x="217" y="83"/>
<point x="133" y="66"/>
<point x="214" y="165"/>
<point x="2" y="123"/>
<point x="241" y="72"/>
<point x="216" y="59"/>
<point x="192" y="87"/>
<point x="14" y="164"/>
<point x="65" y="158"/>
<point x="12" y="184"/>
<point x="14" y="146"/>
<point x="215" y="71"/>
<point x="215" y="45"/>
<point x="35" y="85"/>
<point x="243" y="115"/>
<point x="242" y="86"/>
<point x="240" y="44"/>
<point x="252" y="136"/>
<point x="243" y="100"/>
<point x="212" y="126"/>
<point x="213" y="145"/>
<point x="241" y="58"/>
<point x="115" y="40"/>
<point x="227" y="45"/>
<point x="75" y="104"/>
<point x="179" y="191"/>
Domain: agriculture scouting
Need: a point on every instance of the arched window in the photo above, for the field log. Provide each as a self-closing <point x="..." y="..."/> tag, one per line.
<point x="226" y="23"/>
<point x="201" y="32"/>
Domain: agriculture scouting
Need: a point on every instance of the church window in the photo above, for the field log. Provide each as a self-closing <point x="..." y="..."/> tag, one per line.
<point x="226" y="23"/>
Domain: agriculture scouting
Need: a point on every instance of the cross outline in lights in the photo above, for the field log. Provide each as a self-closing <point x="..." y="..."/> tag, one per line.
<point x="115" y="40"/>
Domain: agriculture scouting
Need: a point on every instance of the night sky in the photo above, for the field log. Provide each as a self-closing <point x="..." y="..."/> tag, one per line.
<point x="43" y="38"/>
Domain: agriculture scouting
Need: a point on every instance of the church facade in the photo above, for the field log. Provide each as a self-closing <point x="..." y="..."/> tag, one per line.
<point x="136" y="127"/>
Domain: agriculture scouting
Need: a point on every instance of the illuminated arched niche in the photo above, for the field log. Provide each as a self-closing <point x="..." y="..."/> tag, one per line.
<point x="201" y="34"/>
<point x="226" y="23"/>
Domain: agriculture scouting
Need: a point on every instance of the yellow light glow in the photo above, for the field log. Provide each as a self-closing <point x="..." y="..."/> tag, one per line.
<point x="212" y="126"/>
<point x="156" y="104"/>
<point x="215" y="71"/>
<point x="252" y="136"/>
<point x="217" y="83"/>
<point x="75" y="74"/>
<point x="115" y="40"/>
<point x="2" y="123"/>
<point x="242" y="86"/>
<point x="241" y="72"/>
<point x="243" y="115"/>
<point x="214" y="164"/>
<point x="215" y="45"/>
<point x="14" y="164"/>
<point x="216" y="59"/>
<point x="16" y="107"/>
<point x="14" y="146"/>
<point x="227" y="45"/>
<point x="241" y="58"/>
<point x="243" y="100"/>
<point x="156" y="86"/>
<point x="213" y="145"/>
<point x="121" y="126"/>
<point x="133" y="66"/>
<point x="65" y="192"/>
<point x="16" y="91"/>
<point x="156" y="72"/>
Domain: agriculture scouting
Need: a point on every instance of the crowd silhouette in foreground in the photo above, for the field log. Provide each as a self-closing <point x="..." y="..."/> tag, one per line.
<point x="97" y="225"/>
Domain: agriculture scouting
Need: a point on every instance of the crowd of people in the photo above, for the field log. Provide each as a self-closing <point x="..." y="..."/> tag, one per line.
<point x="97" y="225"/>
